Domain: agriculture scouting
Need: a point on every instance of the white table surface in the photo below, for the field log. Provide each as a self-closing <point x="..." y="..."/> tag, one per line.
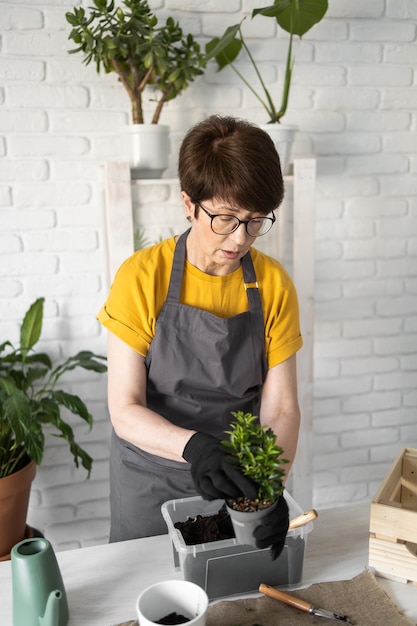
<point x="102" y="582"/>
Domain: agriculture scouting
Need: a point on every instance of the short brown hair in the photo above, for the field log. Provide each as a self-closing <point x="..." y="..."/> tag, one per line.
<point x="232" y="160"/>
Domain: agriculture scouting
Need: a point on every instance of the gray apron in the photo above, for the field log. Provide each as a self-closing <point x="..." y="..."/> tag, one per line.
<point x="200" y="367"/>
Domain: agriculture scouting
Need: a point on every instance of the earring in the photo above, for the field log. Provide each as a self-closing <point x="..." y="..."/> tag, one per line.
<point x="188" y="218"/>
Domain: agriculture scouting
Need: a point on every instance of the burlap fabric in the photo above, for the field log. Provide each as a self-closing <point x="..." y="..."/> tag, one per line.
<point x="361" y="599"/>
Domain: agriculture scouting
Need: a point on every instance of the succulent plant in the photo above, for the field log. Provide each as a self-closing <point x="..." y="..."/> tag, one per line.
<point x="128" y="40"/>
<point x="253" y="448"/>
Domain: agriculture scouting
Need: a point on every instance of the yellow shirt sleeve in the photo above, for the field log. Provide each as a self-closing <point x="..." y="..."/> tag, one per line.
<point x="141" y="284"/>
<point x="280" y="306"/>
<point x="137" y="294"/>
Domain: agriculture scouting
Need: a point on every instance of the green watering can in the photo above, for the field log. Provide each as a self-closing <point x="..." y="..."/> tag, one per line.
<point x="39" y="597"/>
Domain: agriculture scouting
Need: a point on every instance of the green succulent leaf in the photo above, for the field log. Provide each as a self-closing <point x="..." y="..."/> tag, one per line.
<point x="72" y="19"/>
<point x="253" y="448"/>
<point x="129" y="41"/>
<point x="100" y="4"/>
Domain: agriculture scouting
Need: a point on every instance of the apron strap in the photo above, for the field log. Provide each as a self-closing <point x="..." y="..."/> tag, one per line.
<point x="251" y="284"/>
<point x="177" y="270"/>
<point x="249" y="276"/>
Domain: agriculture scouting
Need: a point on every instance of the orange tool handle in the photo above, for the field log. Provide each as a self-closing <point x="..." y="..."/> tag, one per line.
<point x="271" y="592"/>
<point x="304" y="518"/>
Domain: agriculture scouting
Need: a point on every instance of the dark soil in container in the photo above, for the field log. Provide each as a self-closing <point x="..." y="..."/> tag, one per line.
<point x="173" y="618"/>
<point x="203" y="529"/>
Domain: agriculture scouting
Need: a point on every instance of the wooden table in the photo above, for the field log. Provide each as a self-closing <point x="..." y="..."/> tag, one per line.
<point x="102" y="582"/>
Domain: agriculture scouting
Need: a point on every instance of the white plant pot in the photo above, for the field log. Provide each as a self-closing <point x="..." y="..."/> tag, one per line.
<point x="172" y="596"/>
<point x="148" y="149"/>
<point x="245" y="522"/>
<point x="283" y="136"/>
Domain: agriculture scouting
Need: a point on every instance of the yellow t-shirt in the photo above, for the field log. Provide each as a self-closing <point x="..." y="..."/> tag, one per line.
<point x="140" y="288"/>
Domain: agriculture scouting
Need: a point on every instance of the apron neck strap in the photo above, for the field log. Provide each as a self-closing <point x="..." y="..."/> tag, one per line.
<point x="177" y="270"/>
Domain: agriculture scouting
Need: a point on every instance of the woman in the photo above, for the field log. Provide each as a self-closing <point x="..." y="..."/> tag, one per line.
<point x="202" y="325"/>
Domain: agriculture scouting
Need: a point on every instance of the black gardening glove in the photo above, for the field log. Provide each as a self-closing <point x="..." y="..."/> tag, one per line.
<point x="214" y="477"/>
<point x="273" y="529"/>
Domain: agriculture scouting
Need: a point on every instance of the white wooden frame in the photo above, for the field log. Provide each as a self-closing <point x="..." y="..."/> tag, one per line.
<point x="295" y="249"/>
<point x="303" y="275"/>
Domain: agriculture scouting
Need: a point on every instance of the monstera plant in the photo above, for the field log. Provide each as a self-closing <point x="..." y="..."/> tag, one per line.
<point x="296" y="17"/>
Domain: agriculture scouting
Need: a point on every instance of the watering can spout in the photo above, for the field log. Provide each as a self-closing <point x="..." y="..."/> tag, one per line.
<point x="51" y="616"/>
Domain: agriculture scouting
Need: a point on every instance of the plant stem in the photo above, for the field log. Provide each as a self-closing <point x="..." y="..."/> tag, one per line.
<point x="161" y="102"/>
<point x="270" y="108"/>
<point x="287" y="82"/>
<point x="136" y="99"/>
<point x="249" y="86"/>
<point x="134" y="93"/>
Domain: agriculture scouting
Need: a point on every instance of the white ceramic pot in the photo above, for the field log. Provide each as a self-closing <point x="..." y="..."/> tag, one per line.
<point x="245" y="522"/>
<point x="148" y="149"/>
<point x="283" y="136"/>
<point x="180" y="597"/>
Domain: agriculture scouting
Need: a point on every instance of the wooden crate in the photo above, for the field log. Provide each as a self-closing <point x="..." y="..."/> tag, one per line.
<point x="393" y="523"/>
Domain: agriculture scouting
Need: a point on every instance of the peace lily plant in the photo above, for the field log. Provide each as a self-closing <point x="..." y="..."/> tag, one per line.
<point x="31" y="402"/>
<point x="296" y="17"/>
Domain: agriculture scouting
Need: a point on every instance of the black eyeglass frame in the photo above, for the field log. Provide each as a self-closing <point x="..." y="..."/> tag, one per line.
<point x="272" y="219"/>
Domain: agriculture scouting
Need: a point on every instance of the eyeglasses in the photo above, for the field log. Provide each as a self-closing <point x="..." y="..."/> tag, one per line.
<point x="222" y="224"/>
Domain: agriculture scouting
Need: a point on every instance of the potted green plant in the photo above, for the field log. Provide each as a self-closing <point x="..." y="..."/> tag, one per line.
<point x="296" y="17"/>
<point x="146" y="56"/>
<point x="253" y="448"/>
<point x="30" y="408"/>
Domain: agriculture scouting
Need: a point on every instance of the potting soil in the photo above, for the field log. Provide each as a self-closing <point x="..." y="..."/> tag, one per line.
<point x="173" y="618"/>
<point x="203" y="529"/>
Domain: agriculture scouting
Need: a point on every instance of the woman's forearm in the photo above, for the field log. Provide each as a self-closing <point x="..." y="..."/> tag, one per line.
<point x="149" y="431"/>
<point x="131" y="418"/>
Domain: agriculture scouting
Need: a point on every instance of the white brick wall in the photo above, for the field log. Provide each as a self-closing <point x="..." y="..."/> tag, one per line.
<point x="354" y="97"/>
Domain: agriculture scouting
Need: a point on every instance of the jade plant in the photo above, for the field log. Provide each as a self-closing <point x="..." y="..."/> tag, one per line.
<point x="30" y="401"/>
<point x="253" y="448"/>
<point x="296" y="17"/>
<point x="129" y="40"/>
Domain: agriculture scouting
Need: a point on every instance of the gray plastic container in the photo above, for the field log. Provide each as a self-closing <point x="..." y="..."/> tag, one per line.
<point x="225" y="568"/>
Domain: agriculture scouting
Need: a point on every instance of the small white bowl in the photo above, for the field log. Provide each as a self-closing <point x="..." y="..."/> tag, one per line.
<point x="172" y="596"/>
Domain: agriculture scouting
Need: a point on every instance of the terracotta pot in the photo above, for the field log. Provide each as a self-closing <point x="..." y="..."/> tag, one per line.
<point x="14" y="501"/>
<point x="29" y="534"/>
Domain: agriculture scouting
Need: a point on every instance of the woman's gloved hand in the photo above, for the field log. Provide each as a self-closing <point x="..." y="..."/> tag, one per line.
<point x="273" y="528"/>
<point x="214" y="477"/>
